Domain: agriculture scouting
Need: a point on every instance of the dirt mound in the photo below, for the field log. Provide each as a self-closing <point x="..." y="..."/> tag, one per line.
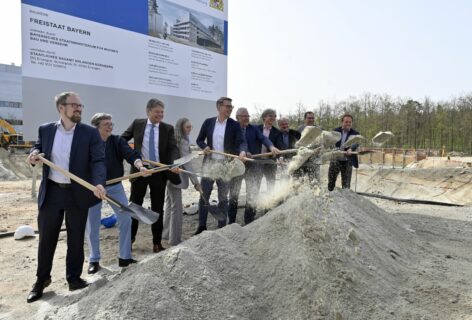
<point x="335" y="256"/>
<point x="443" y="184"/>
<point x="13" y="166"/>
<point x="441" y="162"/>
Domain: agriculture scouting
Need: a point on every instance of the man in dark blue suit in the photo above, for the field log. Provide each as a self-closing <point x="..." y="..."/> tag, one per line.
<point x="345" y="164"/>
<point x="254" y="140"/>
<point x="223" y="134"/>
<point x="267" y="128"/>
<point x="77" y="148"/>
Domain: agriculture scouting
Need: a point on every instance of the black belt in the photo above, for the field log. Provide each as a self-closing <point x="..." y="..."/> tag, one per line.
<point x="60" y="185"/>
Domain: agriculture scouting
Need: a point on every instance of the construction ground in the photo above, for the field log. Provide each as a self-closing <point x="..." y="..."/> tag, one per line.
<point x="314" y="255"/>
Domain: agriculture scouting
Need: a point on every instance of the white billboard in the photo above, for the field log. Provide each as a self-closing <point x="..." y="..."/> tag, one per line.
<point x="119" y="54"/>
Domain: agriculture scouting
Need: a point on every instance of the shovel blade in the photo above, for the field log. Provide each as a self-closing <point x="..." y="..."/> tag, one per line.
<point x="142" y="214"/>
<point x="216" y="213"/>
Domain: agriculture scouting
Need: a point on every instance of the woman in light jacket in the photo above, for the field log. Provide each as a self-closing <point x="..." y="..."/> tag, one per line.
<point x="173" y="211"/>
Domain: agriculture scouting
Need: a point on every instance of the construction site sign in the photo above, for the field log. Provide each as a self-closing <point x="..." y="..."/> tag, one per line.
<point x="116" y="55"/>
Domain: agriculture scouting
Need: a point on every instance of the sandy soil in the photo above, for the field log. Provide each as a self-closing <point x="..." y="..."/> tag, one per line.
<point x="429" y="279"/>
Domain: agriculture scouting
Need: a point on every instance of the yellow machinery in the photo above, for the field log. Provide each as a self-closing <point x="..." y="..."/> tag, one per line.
<point x="10" y="139"/>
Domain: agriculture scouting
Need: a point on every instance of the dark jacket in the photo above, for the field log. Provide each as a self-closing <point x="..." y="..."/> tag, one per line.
<point x="275" y="136"/>
<point x="168" y="150"/>
<point x="87" y="161"/>
<point x="255" y="139"/>
<point x="354" y="161"/>
<point x="293" y="137"/>
<point x="234" y="142"/>
<point x="117" y="150"/>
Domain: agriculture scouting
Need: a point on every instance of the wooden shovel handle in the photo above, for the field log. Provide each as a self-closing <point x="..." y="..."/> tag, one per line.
<point x="135" y="175"/>
<point x="230" y="155"/>
<point x="157" y="164"/>
<point x="73" y="177"/>
<point x="269" y="154"/>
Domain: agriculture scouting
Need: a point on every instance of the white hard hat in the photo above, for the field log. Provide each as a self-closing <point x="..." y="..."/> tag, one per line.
<point x="191" y="209"/>
<point x="23" y="232"/>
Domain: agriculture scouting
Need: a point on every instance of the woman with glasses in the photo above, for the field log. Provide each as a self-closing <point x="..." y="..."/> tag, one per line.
<point x="116" y="150"/>
<point x="173" y="211"/>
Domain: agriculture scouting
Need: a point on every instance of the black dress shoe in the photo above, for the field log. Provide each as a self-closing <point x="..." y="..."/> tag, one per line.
<point x="126" y="262"/>
<point x="200" y="230"/>
<point x="93" y="267"/>
<point x="77" y="283"/>
<point x="157" y="248"/>
<point x="37" y="291"/>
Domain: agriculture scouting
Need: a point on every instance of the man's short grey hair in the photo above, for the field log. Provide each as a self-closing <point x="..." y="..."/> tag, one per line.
<point x="240" y="110"/>
<point x="97" y="117"/>
<point x="154" y="103"/>
<point x="220" y="101"/>
<point x="283" y="119"/>
<point x="268" y="112"/>
<point x="61" y="98"/>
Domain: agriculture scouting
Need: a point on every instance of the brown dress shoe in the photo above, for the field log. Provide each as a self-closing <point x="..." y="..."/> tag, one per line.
<point x="158" y="248"/>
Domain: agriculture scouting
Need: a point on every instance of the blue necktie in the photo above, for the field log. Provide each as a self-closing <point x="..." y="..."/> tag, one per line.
<point x="152" y="147"/>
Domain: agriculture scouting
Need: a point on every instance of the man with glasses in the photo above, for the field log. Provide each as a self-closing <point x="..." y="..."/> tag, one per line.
<point x="116" y="150"/>
<point x="77" y="148"/>
<point x="154" y="140"/>
<point x="220" y="133"/>
<point x="254" y="140"/>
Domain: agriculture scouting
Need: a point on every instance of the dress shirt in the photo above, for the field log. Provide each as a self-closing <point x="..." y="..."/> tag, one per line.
<point x="265" y="132"/>
<point x="60" y="154"/>
<point x="145" y="146"/>
<point x="219" y="139"/>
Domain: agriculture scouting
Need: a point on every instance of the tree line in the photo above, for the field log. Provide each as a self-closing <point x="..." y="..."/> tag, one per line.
<point x="424" y="124"/>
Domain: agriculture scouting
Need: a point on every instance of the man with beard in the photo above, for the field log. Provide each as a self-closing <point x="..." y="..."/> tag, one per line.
<point x="77" y="148"/>
<point x="289" y="136"/>
<point x="154" y="140"/>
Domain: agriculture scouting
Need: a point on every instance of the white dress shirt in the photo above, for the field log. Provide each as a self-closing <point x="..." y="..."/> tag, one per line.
<point x="219" y="139"/>
<point x="60" y="154"/>
<point x="266" y="133"/>
<point x="145" y="147"/>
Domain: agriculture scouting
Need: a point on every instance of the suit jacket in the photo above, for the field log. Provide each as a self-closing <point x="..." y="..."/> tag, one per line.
<point x="293" y="137"/>
<point x="87" y="161"/>
<point x="255" y="139"/>
<point x="275" y="136"/>
<point x="233" y="143"/>
<point x="168" y="150"/>
<point x="354" y="161"/>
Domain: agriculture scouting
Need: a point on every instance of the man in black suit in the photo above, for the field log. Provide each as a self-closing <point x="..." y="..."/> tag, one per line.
<point x="155" y="141"/>
<point x="223" y="134"/>
<point x="267" y="128"/>
<point x="77" y="148"/>
<point x="345" y="164"/>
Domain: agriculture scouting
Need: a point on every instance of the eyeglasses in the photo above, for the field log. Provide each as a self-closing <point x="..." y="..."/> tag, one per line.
<point x="109" y="124"/>
<point x="74" y="105"/>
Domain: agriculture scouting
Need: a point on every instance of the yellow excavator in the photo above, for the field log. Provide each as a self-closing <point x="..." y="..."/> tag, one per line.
<point x="10" y="139"/>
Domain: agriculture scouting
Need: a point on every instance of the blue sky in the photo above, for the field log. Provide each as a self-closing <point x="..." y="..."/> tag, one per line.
<point x="285" y="52"/>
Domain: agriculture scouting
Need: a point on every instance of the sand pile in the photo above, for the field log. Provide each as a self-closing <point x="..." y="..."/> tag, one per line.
<point x="450" y="185"/>
<point x="333" y="256"/>
<point x="14" y="166"/>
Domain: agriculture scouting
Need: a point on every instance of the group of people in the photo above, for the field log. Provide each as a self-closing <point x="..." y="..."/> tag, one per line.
<point x="94" y="154"/>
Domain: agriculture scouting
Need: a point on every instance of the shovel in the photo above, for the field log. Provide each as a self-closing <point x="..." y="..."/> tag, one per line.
<point x="140" y="174"/>
<point x="214" y="210"/>
<point x="270" y="154"/>
<point x="134" y="210"/>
